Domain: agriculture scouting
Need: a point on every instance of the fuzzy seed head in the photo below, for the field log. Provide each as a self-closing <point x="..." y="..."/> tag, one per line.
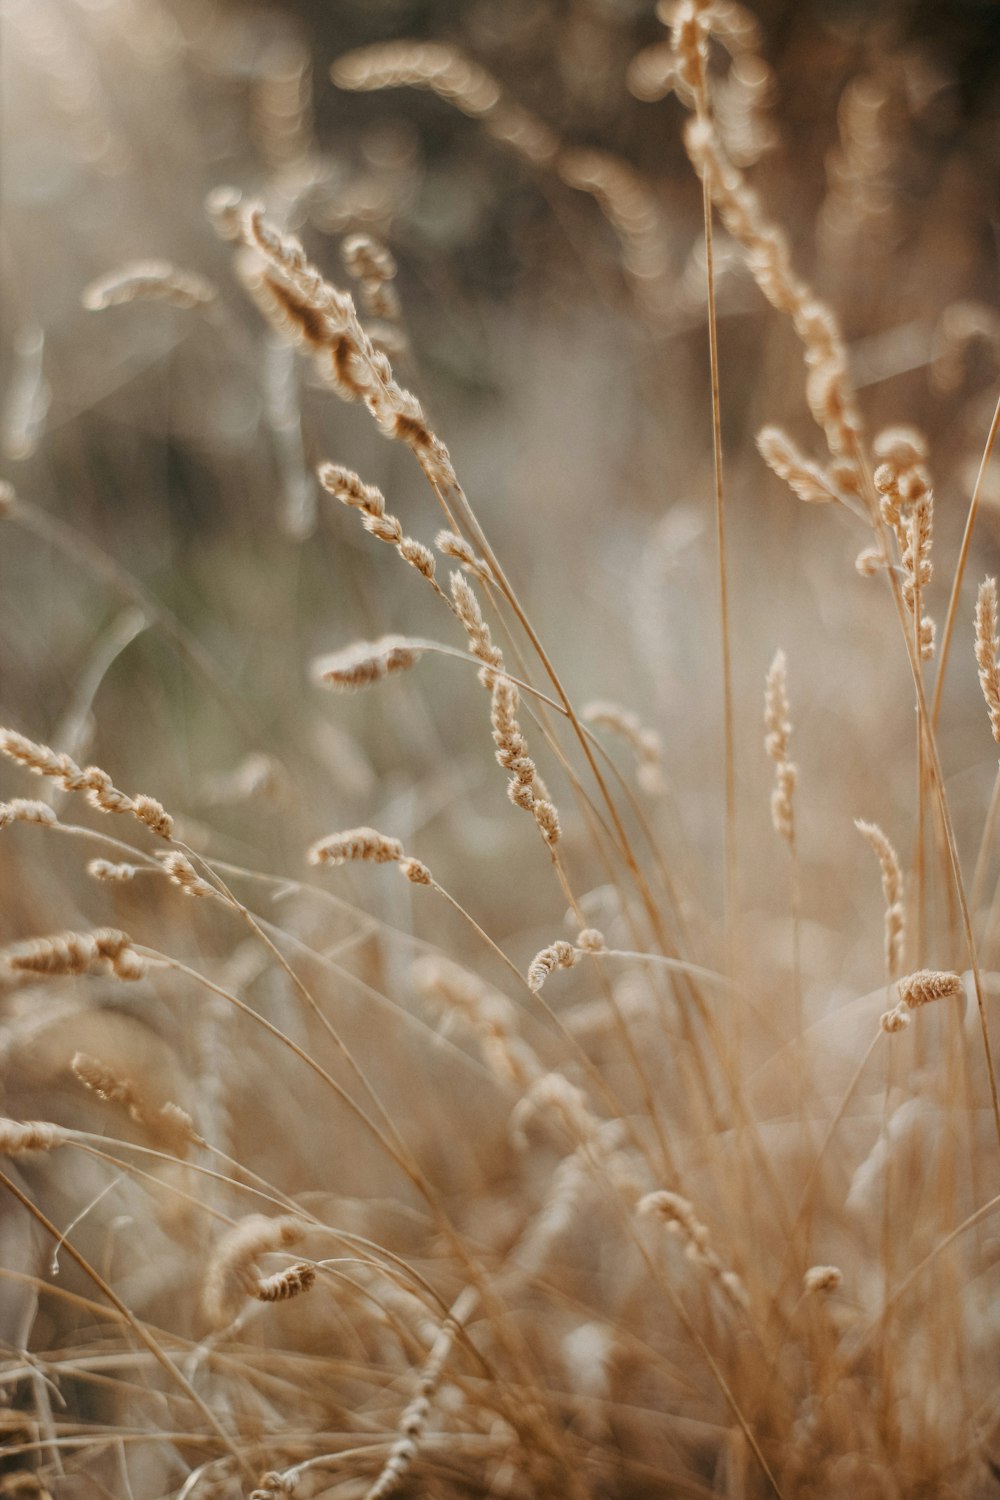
<point x="356" y="844"/>
<point x="927" y="985"/>
<point x="365" y="662"/>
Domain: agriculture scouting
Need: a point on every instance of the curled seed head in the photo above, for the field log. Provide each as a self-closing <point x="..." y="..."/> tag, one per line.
<point x="232" y="1274"/>
<point x="560" y="955"/>
<point x="285" y="1284"/>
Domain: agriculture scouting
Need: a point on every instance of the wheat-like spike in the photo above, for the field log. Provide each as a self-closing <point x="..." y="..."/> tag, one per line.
<point x="18" y="1136"/>
<point x="829" y="394"/>
<point x="349" y="489"/>
<point x="471" y="618"/>
<point x="356" y="844"/>
<point x="988" y="651"/>
<point x="646" y="744"/>
<point x="779" y="728"/>
<point x="365" y="662"/>
<point x="108" y="1085"/>
<point x="679" y="1217"/>
<point x="180" y="871"/>
<point x="804" y="477"/>
<point x="77" y="953"/>
<point x="232" y="1275"/>
<point x="894" y="1020"/>
<point x="457" y="991"/>
<point x="525" y="788"/>
<point x="24" y="810"/>
<point x="906" y="504"/>
<point x="559" y="955"/>
<point x="169" y="1124"/>
<point x="414" y="1419"/>
<point x="892" y="891"/>
<point x="450" y="544"/>
<point x="97" y="784"/>
<point x="416" y="872"/>
<point x="926" y="985"/>
<point x="558" y="1101"/>
<point x="285" y="1284"/>
<point x="512" y="747"/>
<point x="321" y="318"/>
<point x="149" y="281"/>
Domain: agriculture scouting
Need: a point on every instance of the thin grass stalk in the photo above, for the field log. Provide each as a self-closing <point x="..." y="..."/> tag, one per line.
<point x="79" y="549"/>
<point x="138" y="1328"/>
<point x="942" y="800"/>
<point x="963" y="556"/>
<point x="729" y="733"/>
<point x="400" y="1157"/>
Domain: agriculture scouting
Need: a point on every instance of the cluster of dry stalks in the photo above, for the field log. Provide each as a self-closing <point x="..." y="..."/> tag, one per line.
<point x="572" y="1166"/>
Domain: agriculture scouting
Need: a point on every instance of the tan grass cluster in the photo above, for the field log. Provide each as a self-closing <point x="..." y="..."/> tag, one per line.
<point x="511" y="1303"/>
<point x="97" y="784"/>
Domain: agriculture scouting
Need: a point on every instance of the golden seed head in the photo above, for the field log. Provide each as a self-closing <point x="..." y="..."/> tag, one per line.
<point x="356" y="844"/>
<point x="24" y="810"/>
<point x="926" y="985"/>
<point x="365" y="662"/>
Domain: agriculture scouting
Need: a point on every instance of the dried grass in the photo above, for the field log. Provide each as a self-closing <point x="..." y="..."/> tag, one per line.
<point x="694" y="1216"/>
